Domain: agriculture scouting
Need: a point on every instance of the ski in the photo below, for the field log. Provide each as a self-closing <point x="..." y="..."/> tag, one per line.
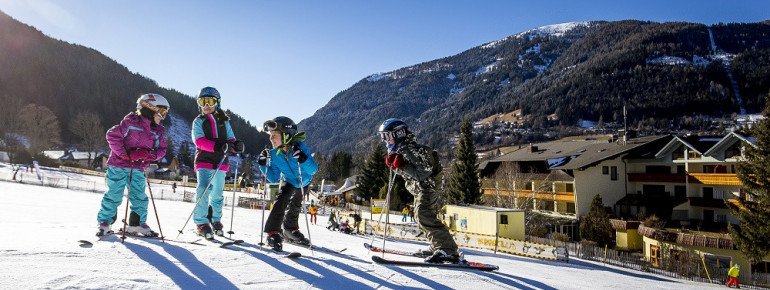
<point x="87" y="243"/>
<point x="230" y="241"/>
<point x="281" y="254"/>
<point x="397" y="252"/>
<point x="159" y="238"/>
<point x="463" y="265"/>
<point x="316" y="247"/>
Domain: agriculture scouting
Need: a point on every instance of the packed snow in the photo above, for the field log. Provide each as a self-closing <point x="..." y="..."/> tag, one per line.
<point x="43" y="224"/>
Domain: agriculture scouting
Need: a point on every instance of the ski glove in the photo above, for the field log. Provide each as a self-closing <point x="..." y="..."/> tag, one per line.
<point x="223" y="147"/>
<point x="298" y="153"/>
<point x="238" y="146"/>
<point x="142" y="154"/>
<point x="262" y="159"/>
<point x="394" y="161"/>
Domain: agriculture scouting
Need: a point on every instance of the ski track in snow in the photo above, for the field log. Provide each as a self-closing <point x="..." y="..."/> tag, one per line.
<point x="54" y="260"/>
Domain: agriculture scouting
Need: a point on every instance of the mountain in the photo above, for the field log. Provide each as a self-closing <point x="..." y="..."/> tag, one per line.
<point x="70" y="79"/>
<point x="558" y="75"/>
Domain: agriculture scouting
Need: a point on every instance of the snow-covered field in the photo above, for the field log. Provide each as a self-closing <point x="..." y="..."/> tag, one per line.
<point x="41" y="227"/>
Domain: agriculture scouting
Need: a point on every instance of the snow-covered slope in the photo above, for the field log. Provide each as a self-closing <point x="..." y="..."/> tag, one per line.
<point x="39" y="249"/>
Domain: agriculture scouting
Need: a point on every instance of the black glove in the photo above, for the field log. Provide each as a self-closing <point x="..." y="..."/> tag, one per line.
<point x="222" y="147"/>
<point x="298" y="153"/>
<point x="239" y="147"/>
<point x="262" y="159"/>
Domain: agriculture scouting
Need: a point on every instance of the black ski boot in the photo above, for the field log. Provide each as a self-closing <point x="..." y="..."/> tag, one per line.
<point x="218" y="228"/>
<point x="441" y="257"/>
<point x="275" y="241"/>
<point x="295" y="236"/>
<point x="204" y="230"/>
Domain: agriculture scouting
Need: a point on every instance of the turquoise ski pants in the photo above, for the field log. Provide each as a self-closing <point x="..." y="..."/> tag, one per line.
<point x="117" y="180"/>
<point x="213" y="195"/>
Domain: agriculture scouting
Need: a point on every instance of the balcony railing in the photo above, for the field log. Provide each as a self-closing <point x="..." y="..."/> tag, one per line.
<point x="551" y="196"/>
<point x="703" y="178"/>
<point x="716" y="178"/>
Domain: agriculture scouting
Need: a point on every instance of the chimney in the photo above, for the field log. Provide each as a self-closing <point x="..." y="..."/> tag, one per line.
<point x="532" y="148"/>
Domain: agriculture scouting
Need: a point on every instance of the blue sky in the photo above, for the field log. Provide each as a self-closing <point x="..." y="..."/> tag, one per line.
<point x="271" y="58"/>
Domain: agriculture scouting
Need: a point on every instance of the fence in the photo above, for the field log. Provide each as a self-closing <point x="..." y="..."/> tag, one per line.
<point x="100" y="186"/>
<point x="683" y="266"/>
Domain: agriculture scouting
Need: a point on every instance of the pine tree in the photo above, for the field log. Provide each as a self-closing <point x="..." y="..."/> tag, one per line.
<point x="464" y="185"/>
<point x="170" y="152"/>
<point x="595" y="226"/>
<point x="752" y="235"/>
<point x="185" y="157"/>
<point x="374" y="175"/>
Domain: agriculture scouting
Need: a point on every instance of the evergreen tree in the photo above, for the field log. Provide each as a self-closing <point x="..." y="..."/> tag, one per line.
<point x="595" y="226"/>
<point x="170" y="154"/>
<point x="752" y="235"/>
<point x="464" y="185"/>
<point x="247" y="169"/>
<point x="185" y="157"/>
<point x="399" y="196"/>
<point x="374" y="175"/>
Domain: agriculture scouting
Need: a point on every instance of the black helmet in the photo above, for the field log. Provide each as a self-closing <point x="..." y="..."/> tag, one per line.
<point x="204" y="97"/>
<point x="283" y="125"/>
<point x="393" y="128"/>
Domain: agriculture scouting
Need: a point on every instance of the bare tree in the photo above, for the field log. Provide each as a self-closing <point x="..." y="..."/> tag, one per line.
<point x="8" y="114"/>
<point x="40" y="126"/>
<point x="88" y="128"/>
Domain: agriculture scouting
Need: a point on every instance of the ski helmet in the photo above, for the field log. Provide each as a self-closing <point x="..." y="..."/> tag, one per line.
<point x="286" y="126"/>
<point x="393" y="128"/>
<point x="209" y="96"/>
<point x="154" y="102"/>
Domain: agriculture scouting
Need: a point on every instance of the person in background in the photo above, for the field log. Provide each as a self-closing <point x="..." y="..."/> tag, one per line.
<point x="356" y="221"/>
<point x="333" y="226"/>
<point x="137" y="141"/>
<point x="404" y="213"/>
<point x="733" y="273"/>
<point x="313" y="211"/>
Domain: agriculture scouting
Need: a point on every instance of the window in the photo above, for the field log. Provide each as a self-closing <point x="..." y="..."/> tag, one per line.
<point x="503" y="219"/>
<point x="571" y="207"/>
<point x="654" y="255"/>
<point x="717" y="261"/>
<point x="570" y="187"/>
<point x="680" y="191"/>
<point x="680" y="169"/>
<point x="605" y="170"/>
<point x="613" y="173"/>
<point x="708" y="193"/>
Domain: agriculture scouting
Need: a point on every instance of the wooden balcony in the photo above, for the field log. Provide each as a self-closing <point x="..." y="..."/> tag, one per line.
<point x="550" y="196"/>
<point x="703" y="178"/>
<point x="716" y="178"/>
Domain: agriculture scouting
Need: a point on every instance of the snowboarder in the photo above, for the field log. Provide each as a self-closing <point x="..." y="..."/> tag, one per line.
<point x="134" y="143"/>
<point x="289" y="158"/>
<point x="214" y="138"/>
<point x="733" y="273"/>
<point x="416" y="164"/>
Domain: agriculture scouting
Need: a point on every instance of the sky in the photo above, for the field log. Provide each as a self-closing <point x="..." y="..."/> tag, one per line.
<point x="271" y="58"/>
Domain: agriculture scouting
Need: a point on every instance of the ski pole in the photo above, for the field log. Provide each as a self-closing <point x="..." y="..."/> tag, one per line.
<point x="387" y="212"/>
<point x="391" y="177"/>
<point x="232" y="208"/>
<point x="155" y="209"/>
<point x="128" y="196"/>
<point x="302" y="190"/>
<point x="264" y="202"/>
<point x="205" y="193"/>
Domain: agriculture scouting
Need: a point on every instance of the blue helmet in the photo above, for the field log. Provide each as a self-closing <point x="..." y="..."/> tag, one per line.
<point x="393" y="128"/>
<point x="204" y="97"/>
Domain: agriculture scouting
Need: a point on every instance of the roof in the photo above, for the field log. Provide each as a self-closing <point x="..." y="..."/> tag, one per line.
<point x="568" y="154"/>
<point x="699" y="144"/>
<point x="728" y="141"/>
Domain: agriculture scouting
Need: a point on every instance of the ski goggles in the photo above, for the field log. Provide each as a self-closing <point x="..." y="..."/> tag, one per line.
<point x="207" y="101"/>
<point x="270" y="126"/>
<point x="386" y="136"/>
<point x="161" y="111"/>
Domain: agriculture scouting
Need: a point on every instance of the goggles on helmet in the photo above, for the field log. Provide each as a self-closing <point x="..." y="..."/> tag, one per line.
<point x="207" y="101"/>
<point x="162" y="111"/>
<point x="386" y="136"/>
<point x="271" y="126"/>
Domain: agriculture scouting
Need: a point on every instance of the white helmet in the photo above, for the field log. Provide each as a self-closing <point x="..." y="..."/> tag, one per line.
<point x="154" y="102"/>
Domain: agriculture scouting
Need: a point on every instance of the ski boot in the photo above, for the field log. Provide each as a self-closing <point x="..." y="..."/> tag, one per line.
<point x="295" y="236"/>
<point x="217" y="226"/>
<point x="441" y="257"/>
<point x="104" y="229"/>
<point x="143" y="230"/>
<point x="204" y="230"/>
<point x="275" y="241"/>
<point x="423" y="252"/>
